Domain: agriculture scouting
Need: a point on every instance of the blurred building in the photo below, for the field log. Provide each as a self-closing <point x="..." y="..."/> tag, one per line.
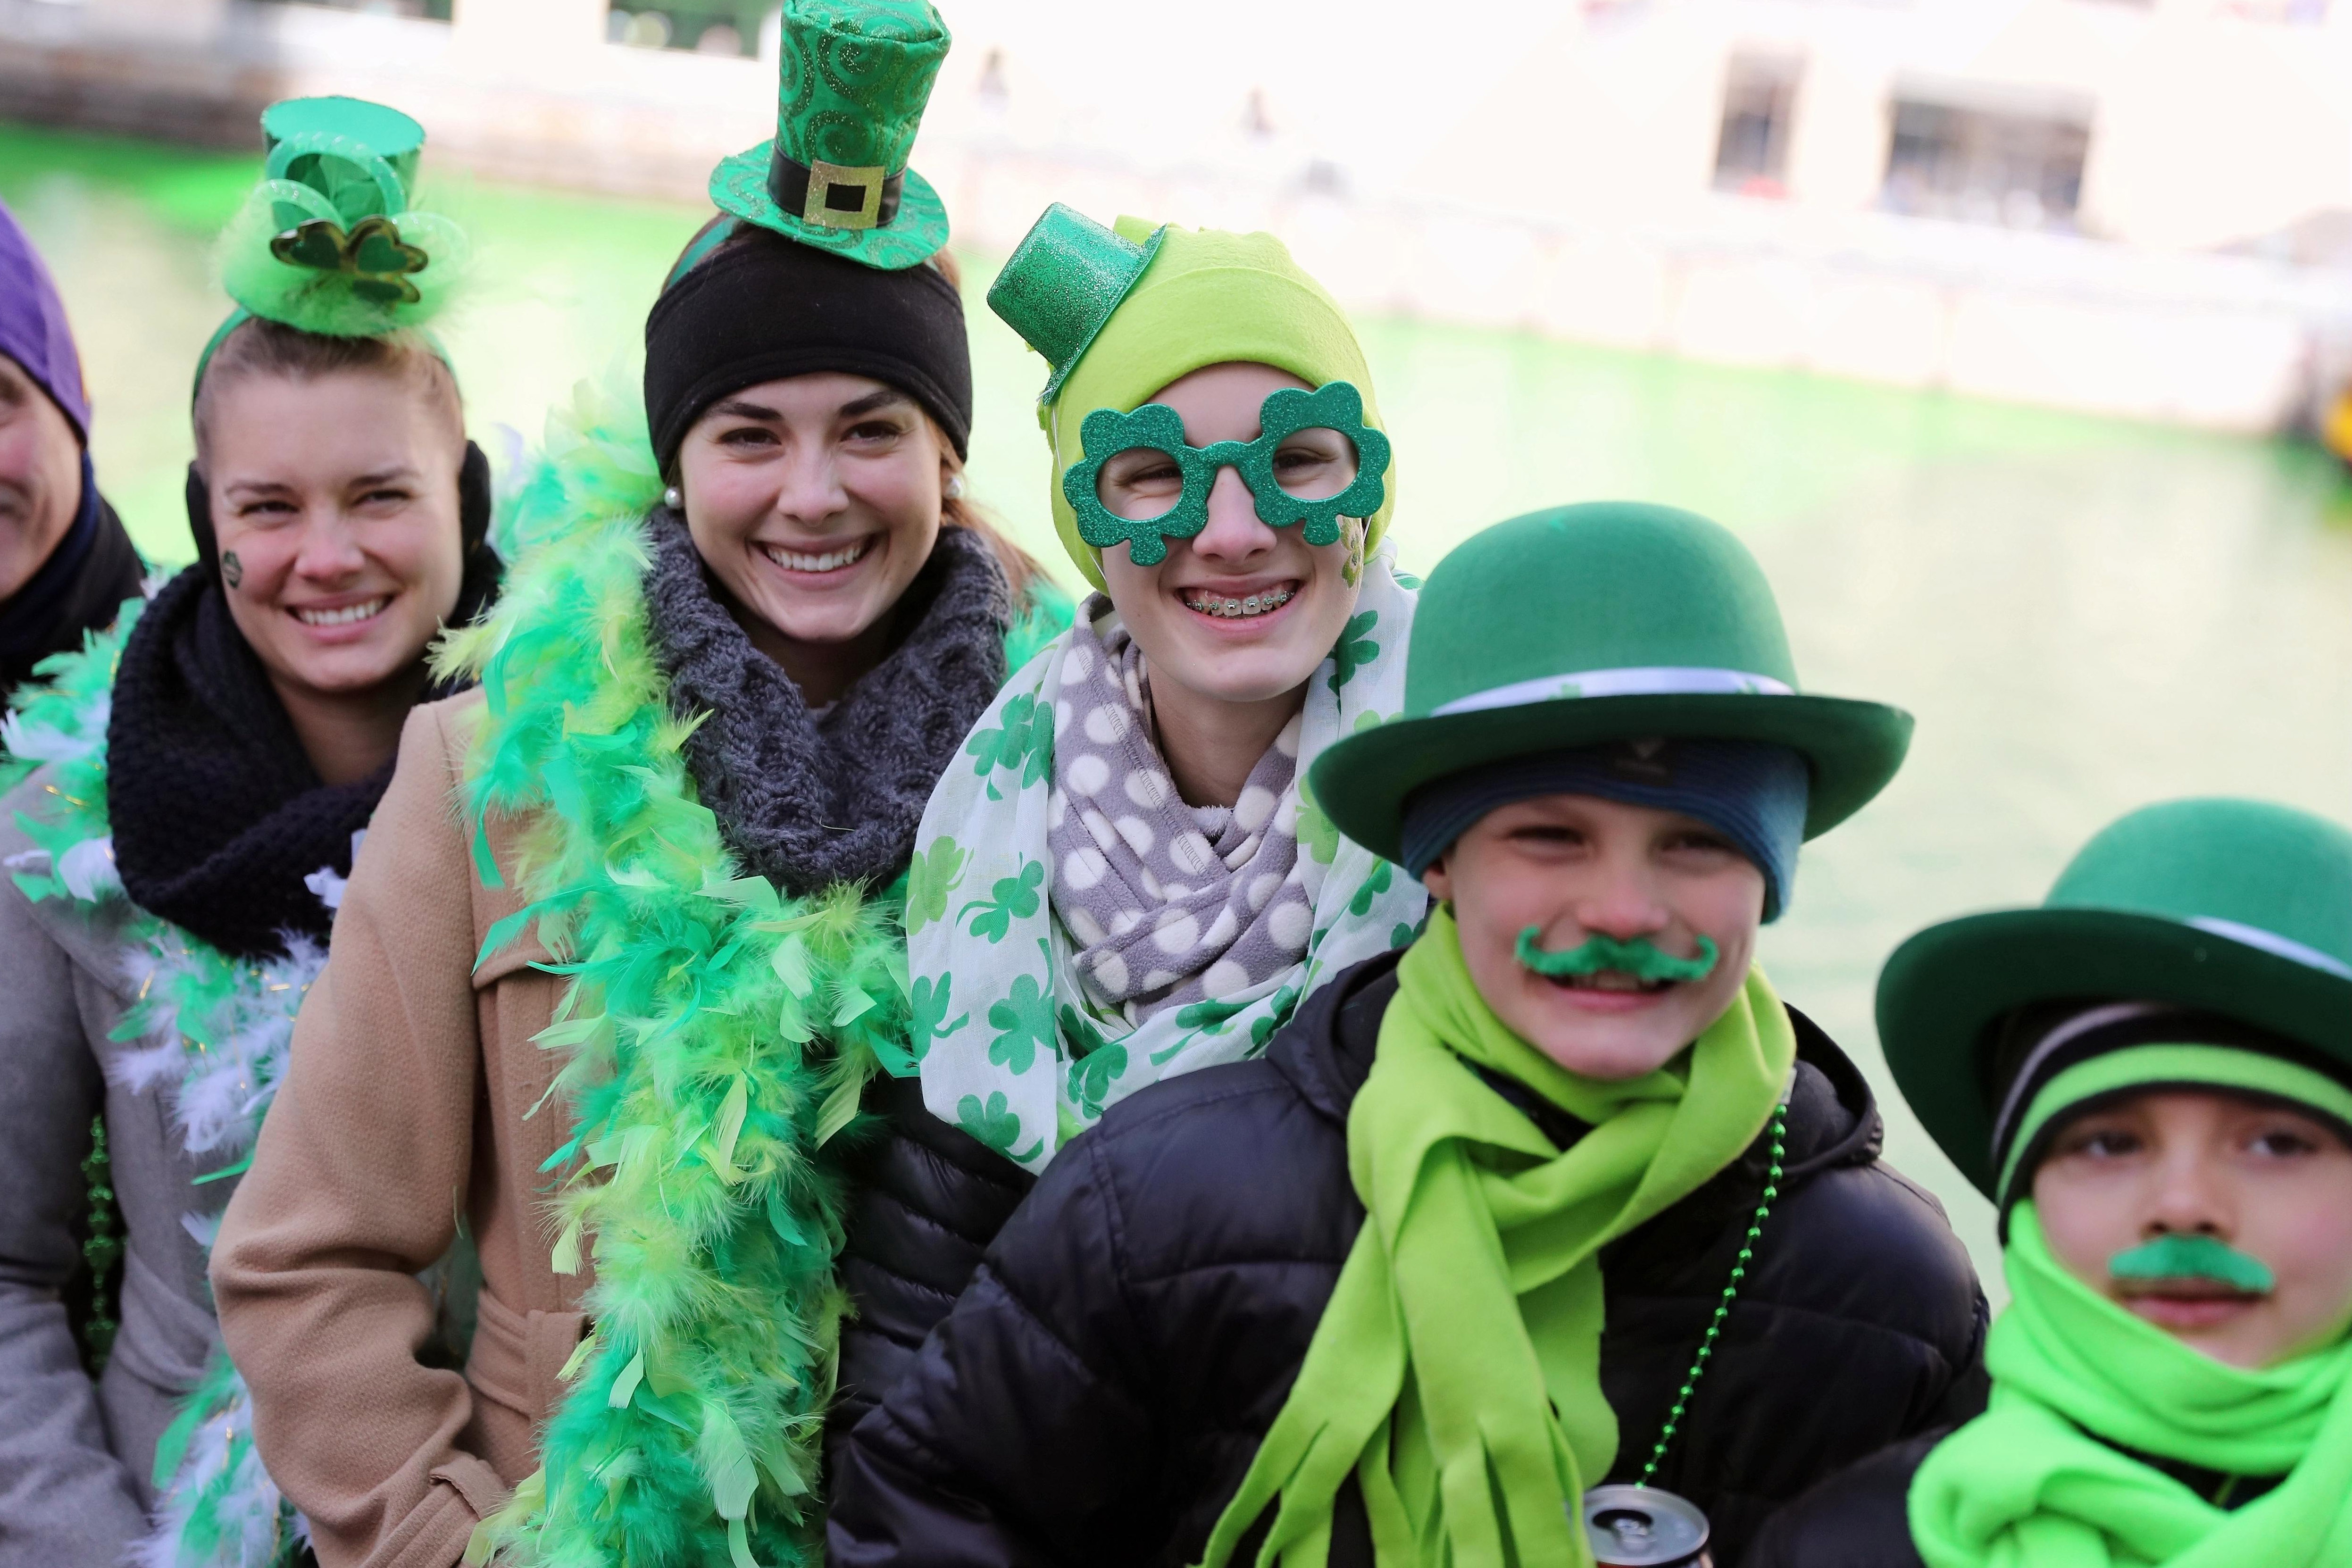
<point x="2140" y="206"/>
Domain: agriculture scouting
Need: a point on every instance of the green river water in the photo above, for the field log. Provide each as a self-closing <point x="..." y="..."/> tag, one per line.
<point x="2084" y="614"/>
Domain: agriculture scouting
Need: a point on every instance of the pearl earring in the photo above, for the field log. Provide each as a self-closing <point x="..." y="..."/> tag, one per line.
<point x="673" y="498"/>
<point x="955" y="487"/>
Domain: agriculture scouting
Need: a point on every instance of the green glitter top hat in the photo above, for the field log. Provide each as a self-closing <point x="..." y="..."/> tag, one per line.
<point x="1062" y="283"/>
<point x="856" y="76"/>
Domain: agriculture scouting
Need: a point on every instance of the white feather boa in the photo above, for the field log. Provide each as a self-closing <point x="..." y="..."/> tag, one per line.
<point x="209" y="1031"/>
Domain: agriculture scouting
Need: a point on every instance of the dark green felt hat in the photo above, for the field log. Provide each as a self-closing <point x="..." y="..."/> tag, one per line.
<point x="856" y="75"/>
<point x="1610" y="621"/>
<point x="2237" y="907"/>
<point x="1061" y="284"/>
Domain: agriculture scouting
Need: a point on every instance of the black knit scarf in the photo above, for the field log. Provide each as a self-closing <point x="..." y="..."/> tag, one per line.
<point x="807" y="802"/>
<point x="218" y="815"/>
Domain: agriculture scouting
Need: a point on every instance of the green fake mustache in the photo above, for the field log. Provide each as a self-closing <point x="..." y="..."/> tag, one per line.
<point x="1637" y="958"/>
<point x="2194" y="1257"/>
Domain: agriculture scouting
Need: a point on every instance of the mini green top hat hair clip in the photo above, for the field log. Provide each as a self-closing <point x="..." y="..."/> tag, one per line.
<point x="327" y="242"/>
<point x="1061" y="284"/>
<point x="856" y="76"/>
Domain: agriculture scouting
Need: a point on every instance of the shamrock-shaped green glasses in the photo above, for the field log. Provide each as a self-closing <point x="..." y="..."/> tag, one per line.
<point x="1140" y="484"/>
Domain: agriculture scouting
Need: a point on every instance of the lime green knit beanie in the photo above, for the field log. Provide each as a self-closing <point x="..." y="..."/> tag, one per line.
<point x="1210" y="297"/>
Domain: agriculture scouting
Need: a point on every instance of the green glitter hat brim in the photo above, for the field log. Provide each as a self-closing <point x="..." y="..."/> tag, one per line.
<point x="739" y="186"/>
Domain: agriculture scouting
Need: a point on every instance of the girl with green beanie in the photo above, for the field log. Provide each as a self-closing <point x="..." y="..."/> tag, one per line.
<point x="1505" y="1239"/>
<point x="2151" y="1075"/>
<point x="1126" y="882"/>
<point x="1123" y="878"/>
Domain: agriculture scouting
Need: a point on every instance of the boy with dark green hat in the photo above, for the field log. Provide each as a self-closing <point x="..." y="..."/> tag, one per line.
<point x="1509" y="1234"/>
<point x="2151" y="1075"/>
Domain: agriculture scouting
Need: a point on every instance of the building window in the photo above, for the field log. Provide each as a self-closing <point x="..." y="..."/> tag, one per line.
<point x="1759" y="98"/>
<point x="703" y="26"/>
<point x="2016" y="164"/>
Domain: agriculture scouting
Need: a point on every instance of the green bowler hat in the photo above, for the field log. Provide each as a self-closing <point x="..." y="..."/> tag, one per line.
<point x="856" y="75"/>
<point x="1610" y="621"/>
<point x="2238" y="908"/>
<point x="1062" y="283"/>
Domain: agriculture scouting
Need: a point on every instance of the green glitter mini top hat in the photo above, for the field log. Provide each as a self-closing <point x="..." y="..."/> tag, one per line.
<point x="1062" y="283"/>
<point x="327" y="242"/>
<point x="855" y="76"/>
<point x="2239" y="908"/>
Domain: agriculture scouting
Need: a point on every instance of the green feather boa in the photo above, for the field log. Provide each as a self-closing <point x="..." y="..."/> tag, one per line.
<point x="715" y="1034"/>
<point x="210" y="1029"/>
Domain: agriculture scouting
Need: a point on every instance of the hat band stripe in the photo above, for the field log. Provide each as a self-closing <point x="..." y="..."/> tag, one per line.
<point x="2270" y="941"/>
<point x="1648" y="680"/>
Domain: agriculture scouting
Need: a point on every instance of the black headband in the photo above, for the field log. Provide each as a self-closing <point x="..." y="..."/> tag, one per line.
<point x="762" y="307"/>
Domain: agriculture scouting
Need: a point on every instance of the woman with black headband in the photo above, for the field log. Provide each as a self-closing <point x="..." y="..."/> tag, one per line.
<point x="625" y="946"/>
<point x="207" y="770"/>
<point x="2151" y="1075"/>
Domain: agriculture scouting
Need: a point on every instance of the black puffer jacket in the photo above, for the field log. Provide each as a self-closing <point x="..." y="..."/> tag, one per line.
<point x="1096" y="1395"/>
<point x="1860" y="1517"/>
<point x="925" y="1201"/>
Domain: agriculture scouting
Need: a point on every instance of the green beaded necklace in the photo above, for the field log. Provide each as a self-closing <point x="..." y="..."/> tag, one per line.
<point x="1730" y="1293"/>
<point x="101" y="1251"/>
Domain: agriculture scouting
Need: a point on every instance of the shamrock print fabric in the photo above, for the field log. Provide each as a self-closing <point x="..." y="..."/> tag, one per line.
<point x="1049" y="846"/>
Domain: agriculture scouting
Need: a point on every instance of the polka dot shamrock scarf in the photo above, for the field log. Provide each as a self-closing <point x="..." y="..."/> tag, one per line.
<point x="1075" y="931"/>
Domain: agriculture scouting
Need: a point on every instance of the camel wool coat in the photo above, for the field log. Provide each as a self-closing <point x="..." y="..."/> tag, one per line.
<point x="406" y="1113"/>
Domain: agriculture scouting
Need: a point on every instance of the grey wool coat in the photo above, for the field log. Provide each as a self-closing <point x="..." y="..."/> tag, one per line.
<point x="76" y="1458"/>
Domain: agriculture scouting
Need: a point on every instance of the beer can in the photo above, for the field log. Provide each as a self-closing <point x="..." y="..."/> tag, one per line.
<point x="1642" y="1527"/>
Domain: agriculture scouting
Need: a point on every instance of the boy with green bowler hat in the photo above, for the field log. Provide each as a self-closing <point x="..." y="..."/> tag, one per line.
<point x="2151" y="1075"/>
<point x="1558" y="1228"/>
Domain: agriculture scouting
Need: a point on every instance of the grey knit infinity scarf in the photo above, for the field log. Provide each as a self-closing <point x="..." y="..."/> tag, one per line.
<point x="809" y="801"/>
<point x="1172" y="904"/>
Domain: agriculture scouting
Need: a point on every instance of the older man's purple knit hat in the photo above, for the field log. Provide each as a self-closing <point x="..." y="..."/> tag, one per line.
<point x="33" y="330"/>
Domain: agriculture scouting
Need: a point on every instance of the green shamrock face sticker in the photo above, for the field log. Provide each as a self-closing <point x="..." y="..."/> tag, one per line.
<point x="373" y="254"/>
<point x="1140" y="484"/>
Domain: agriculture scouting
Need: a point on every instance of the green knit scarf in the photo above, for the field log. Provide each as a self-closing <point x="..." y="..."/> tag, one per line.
<point x="1474" y="1290"/>
<point x="2030" y="1484"/>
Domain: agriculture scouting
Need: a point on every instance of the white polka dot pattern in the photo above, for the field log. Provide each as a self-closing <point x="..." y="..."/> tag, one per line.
<point x="1185" y="906"/>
